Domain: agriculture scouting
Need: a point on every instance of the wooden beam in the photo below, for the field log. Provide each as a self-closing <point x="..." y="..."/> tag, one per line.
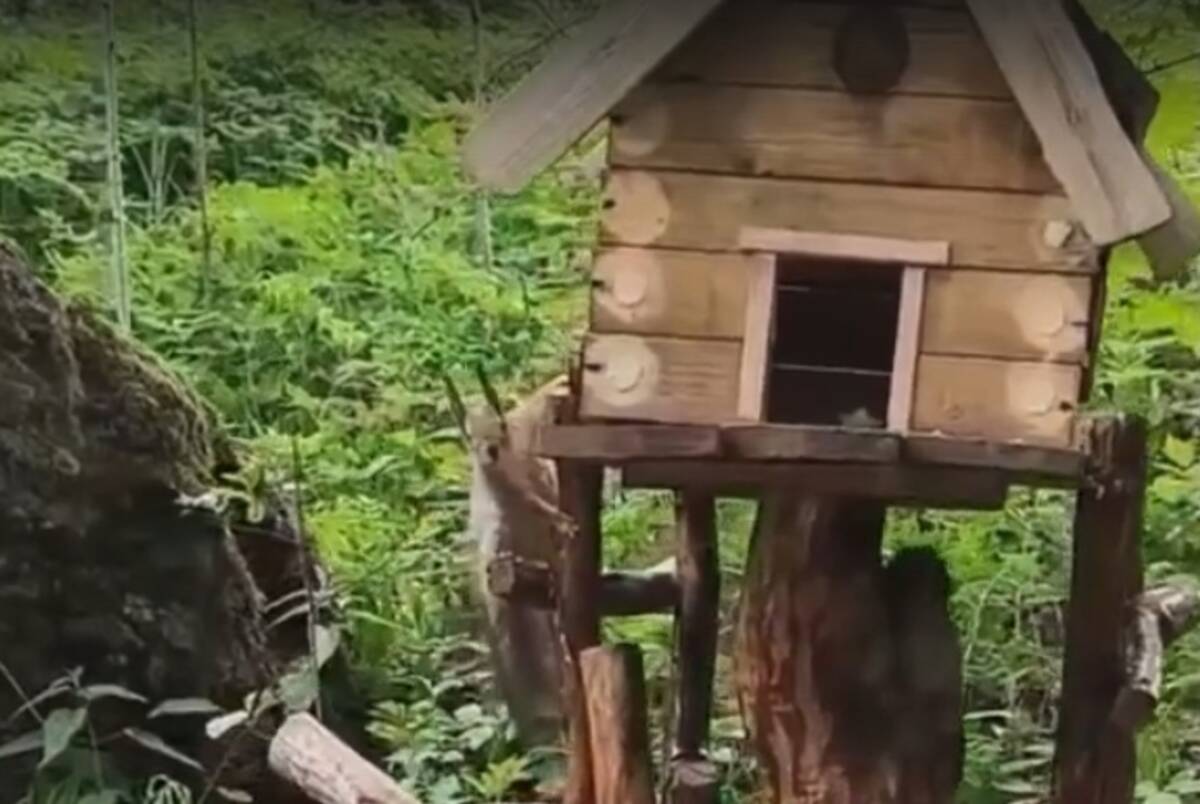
<point x="757" y="339"/>
<point x="908" y="347"/>
<point x="620" y="736"/>
<point x="790" y="442"/>
<point x="580" y="487"/>
<point x="821" y="134"/>
<point x="1039" y="464"/>
<point x="1171" y="247"/>
<point x="831" y="245"/>
<point x="581" y="79"/>
<point x="1095" y="760"/>
<point x="707" y="212"/>
<point x="1058" y="87"/>
<point x="898" y="485"/>
<point x="623" y="442"/>
<point x="622" y="593"/>
<point x="698" y="559"/>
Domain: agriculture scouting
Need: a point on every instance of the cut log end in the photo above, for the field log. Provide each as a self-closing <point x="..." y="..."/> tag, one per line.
<point x="1161" y="616"/>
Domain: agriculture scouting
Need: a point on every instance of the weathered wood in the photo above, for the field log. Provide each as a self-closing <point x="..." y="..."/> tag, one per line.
<point x="1039" y="464"/>
<point x="1160" y="617"/>
<point x="799" y="133"/>
<point x="1171" y="247"/>
<point x="860" y="248"/>
<point x="698" y="560"/>
<point x="784" y="442"/>
<point x="580" y="489"/>
<point x="708" y="212"/>
<point x="813" y="652"/>
<point x="998" y="399"/>
<point x="693" y="781"/>
<point x="660" y="379"/>
<point x="909" y="329"/>
<point x="1095" y="760"/>
<point x="326" y="770"/>
<point x="898" y="485"/>
<point x="1007" y="315"/>
<point x="622" y="442"/>
<point x="674" y="293"/>
<point x="757" y="337"/>
<point x="620" y="736"/>
<point x="622" y="594"/>
<point x="779" y="43"/>
<point x="561" y="100"/>
<point x="1060" y="91"/>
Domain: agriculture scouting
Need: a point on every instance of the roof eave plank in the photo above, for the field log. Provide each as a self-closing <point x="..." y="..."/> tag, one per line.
<point x="575" y="86"/>
<point x="1113" y="191"/>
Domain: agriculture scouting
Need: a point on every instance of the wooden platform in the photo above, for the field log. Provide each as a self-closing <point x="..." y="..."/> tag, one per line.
<point x="745" y="460"/>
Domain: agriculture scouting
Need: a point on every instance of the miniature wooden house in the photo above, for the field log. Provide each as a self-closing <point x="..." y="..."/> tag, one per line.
<point x="847" y="215"/>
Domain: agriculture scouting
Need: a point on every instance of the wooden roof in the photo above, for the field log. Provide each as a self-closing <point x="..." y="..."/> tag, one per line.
<point x="1114" y="190"/>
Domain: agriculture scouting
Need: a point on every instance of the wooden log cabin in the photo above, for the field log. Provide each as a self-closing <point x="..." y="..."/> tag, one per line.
<point x="854" y="251"/>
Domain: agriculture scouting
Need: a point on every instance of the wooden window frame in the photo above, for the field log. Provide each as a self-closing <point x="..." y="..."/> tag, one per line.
<point x="914" y="255"/>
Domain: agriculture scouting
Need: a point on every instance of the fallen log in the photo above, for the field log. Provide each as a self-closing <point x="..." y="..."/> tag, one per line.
<point x="1159" y="617"/>
<point x="519" y="581"/>
<point x="311" y="758"/>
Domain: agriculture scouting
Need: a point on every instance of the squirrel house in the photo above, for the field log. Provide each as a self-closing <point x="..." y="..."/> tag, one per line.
<point x="857" y="250"/>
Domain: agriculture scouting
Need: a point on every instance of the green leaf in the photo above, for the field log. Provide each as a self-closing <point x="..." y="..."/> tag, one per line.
<point x="102" y="797"/>
<point x="218" y="726"/>
<point x="1163" y="797"/>
<point x="1179" y="452"/>
<point x="60" y="728"/>
<point x="176" y="707"/>
<point x="24" y="744"/>
<point x="152" y="742"/>
<point x="94" y="692"/>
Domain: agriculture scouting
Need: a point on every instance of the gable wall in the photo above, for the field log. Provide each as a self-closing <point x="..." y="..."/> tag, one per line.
<point x="748" y="125"/>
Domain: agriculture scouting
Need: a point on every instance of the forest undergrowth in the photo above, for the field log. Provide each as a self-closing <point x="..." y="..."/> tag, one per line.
<point x="351" y="268"/>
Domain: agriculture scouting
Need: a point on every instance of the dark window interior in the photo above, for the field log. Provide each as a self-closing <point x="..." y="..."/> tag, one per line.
<point x="835" y="337"/>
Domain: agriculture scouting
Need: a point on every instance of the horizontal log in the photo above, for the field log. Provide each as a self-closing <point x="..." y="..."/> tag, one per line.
<point x="899" y="485"/>
<point x="620" y="442"/>
<point x="326" y="770"/>
<point x="1161" y="616"/>
<point x="622" y="594"/>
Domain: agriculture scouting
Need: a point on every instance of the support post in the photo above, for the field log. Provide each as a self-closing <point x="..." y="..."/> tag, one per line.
<point x="1095" y="761"/>
<point x="699" y="576"/>
<point x="615" y="686"/>
<point x="580" y="488"/>
<point x="814" y="653"/>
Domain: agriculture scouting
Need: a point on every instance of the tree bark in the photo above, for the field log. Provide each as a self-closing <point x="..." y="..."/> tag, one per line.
<point x="615" y="687"/>
<point x="1096" y="760"/>
<point x="326" y="770"/>
<point x="813" y="657"/>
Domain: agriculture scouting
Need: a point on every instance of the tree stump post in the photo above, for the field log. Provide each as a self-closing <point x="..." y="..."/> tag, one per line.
<point x="691" y="778"/>
<point x="813" y="656"/>
<point x="580" y="498"/>
<point x="1096" y="757"/>
<point x="615" y="687"/>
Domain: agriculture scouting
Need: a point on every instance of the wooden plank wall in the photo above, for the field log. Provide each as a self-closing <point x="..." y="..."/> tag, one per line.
<point x="748" y="125"/>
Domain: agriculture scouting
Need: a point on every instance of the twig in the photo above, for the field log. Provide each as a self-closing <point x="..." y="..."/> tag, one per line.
<point x="1173" y="63"/>
<point x="116" y="196"/>
<point x="200" y="146"/>
<point x="12" y="682"/>
<point x="307" y="571"/>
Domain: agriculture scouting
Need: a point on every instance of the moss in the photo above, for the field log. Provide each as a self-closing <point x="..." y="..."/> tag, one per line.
<point x="86" y="415"/>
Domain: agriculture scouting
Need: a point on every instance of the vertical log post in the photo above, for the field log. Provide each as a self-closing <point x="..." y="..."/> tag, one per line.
<point x="1095" y="762"/>
<point x="692" y="779"/>
<point x="615" y="687"/>
<point x="813" y="654"/>
<point x="580" y="487"/>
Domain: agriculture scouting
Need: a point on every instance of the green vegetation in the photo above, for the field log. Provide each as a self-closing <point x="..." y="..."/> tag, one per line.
<point x="349" y="276"/>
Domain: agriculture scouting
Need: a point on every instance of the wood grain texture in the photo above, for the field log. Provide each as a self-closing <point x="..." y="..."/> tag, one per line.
<point x="894" y="139"/>
<point x="1024" y="462"/>
<point x="676" y="293"/>
<point x="660" y="379"/>
<point x="576" y="85"/>
<point x="757" y="340"/>
<point x="1056" y="83"/>
<point x="618" y="442"/>
<point x="779" y="43"/>
<point x="706" y="212"/>
<point x="614" y="680"/>
<point x="860" y="248"/>
<point x="1095" y="761"/>
<point x="1007" y="315"/>
<point x="904" y="486"/>
<point x="909" y="328"/>
<point x="998" y="400"/>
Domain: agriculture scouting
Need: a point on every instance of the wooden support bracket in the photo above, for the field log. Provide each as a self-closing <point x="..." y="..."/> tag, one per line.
<point x="622" y="594"/>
